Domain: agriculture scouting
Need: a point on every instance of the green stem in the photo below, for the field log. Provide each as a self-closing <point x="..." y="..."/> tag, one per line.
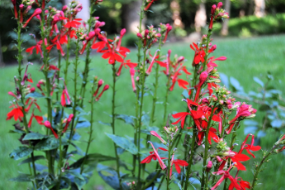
<point x="257" y="169"/>
<point x="168" y="170"/>
<point x="22" y="99"/>
<point x="59" y="166"/>
<point x="58" y="74"/>
<point x="113" y="123"/>
<point x="138" y="89"/>
<point x="91" y="128"/>
<point x="166" y="98"/>
<point x="161" y="182"/>
<point x="205" y="156"/>
<point x="191" y="158"/>
<point x="231" y="146"/>
<point x="142" y="80"/>
<point x="207" y="48"/>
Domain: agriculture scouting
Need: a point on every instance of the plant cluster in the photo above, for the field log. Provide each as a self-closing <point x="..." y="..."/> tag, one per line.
<point x="206" y="129"/>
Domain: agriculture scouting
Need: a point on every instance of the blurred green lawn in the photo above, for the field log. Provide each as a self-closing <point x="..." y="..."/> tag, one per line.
<point x="246" y="58"/>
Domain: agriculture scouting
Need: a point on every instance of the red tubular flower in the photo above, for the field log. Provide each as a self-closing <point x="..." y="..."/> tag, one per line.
<point x="75" y="23"/>
<point x="244" y="110"/>
<point x="179" y="163"/>
<point x="65" y="96"/>
<point x="152" y="62"/>
<point x="100" y="83"/>
<point x="149" y="4"/>
<point x="211" y="135"/>
<point x="181" y="116"/>
<point x="182" y="83"/>
<point x="154" y="155"/>
<point x="249" y="147"/>
<point x="90" y="36"/>
<point x="202" y="79"/>
<point x="106" y="87"/>
<point x="25" y="77"/>
<point x="15" y="8"/>
<point x="36" y="12"/>
<point x="168" y="62"/>
<point x="39" y="119"/>
<point x="17" y="113"/>
<point x="69" y="119"/>
<point x="158" y="136"/>
<point x="125" y="64"/>
<point x="243" y="184"/>
<point x="168" y="29"/>
<point x="122" y="33"/>
<point x="225" y="174"/>
<point x="48" y="125"/>
<point x="199" y="54"/>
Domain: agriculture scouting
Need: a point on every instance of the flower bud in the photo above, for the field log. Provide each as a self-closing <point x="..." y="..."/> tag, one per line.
<point x="209" y="166"/>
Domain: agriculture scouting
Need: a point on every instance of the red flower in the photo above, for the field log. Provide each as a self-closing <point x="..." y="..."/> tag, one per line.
<point x="249" y="147"/>
<point x="68" y="120"/>
<point x="112" y="56"/>
<point x="73" y="23"/>
<point x="178" y="163"/>
<point x="211" y="134"/>
<point x="48" y="125"/>
<point x="225" y="174"/>
<point x="65" y="96"/>
<point x="154" y="155"/>
<point x="199" y="54"/>
<point x="17" y="113"/>
<point x="39" y="119"/>
<point x="181" y="116"/>
<point x="243" y="184"/>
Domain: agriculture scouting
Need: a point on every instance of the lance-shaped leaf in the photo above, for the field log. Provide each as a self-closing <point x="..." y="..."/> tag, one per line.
<point x="90" y="159"/>
<point x="49" y="143"/>
<point x="22" y="178"/>
<point x="128" y="119"/>
<point x="124" y="143"/>
<point x="21" y="152"/>
<point x="34" y="95"/>
<point x="34" y="136"/>
<point x="29" y="160"/>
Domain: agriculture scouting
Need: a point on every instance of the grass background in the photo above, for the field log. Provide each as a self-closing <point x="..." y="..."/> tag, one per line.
<point x="246" y="58"/>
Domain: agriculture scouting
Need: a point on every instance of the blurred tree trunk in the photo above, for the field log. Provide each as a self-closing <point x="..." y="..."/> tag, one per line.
<point x="225" y="25"/>
<point x="200" y="17"/>
<point x="84" y="13"/>
<point x="131" y="18"/>
<point x="175" y="8"/>
<point x="259" y="9"/>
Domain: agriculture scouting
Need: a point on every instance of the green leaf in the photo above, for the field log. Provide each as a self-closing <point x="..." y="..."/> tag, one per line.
<point x="34" y="136"/>
<point x="83" y="124"/>
<point x="235" y="84"/>
<point x="21" y="152"/>
<point x="124" y="143"/>
<point x="49" y="143"/>
<point x="16" y="131"/>
<point x="90" y="159"/>
<point x="128" y="119"/>
<point x="28" y="160"/>
<point x="264" y="107"/>
<point x="257" y="80"/>
<point x="276" y="123"/>
<point x="34" y="95"/>
<point x="22" y="178"/>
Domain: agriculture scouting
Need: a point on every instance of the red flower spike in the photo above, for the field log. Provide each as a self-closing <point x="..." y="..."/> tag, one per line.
<point x="48" y="125"/>
<point x="161" y="163"/>
<point x="202" y="79"/>
<point x="152" y="62"/>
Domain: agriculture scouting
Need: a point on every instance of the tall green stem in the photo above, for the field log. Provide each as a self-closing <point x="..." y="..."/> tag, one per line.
<point x="205" y="156"/>
<point x="91" y="127"/>
<point x="257" y="169"/>
<point x="166" y="98"/>
<point x="113" y="124"/>
<point x="138" y="89"/>
<point x="142" y="82"/>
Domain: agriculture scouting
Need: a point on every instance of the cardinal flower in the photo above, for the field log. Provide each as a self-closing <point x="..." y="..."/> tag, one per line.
<point x="177" y="163"/>
<point x="244" y="111"/>
<point x="225" y="174"/>
<point x="249" y="147"/>
<point x="65" y="97"/>
<point x="68" y="120"/>
<point x="181" y="116"/>
<point x="16" y="112"/>
<point x="36" y="12"/>
<point x="154" y="155"/>
<point x="48" y="125"/>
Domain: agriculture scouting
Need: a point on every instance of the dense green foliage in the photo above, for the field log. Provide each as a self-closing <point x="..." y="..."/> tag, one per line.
<point x="253" y="26"/>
